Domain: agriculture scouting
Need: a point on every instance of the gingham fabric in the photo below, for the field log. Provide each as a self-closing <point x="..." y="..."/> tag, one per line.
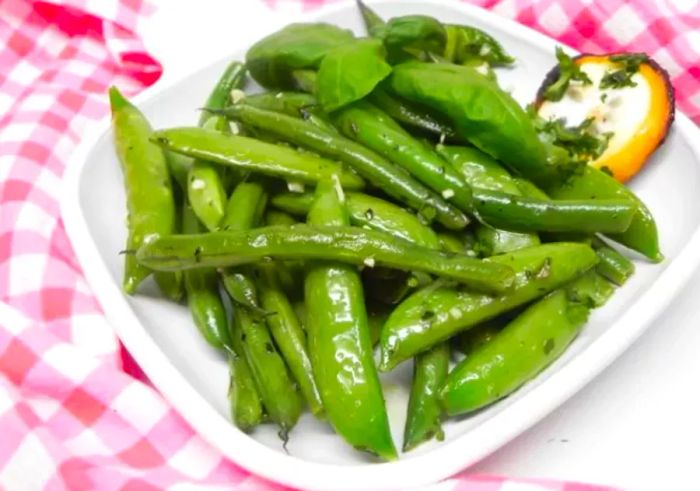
<point x="74" y="413"/>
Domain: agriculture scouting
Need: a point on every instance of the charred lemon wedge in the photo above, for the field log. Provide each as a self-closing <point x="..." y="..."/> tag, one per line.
<point x="628" y="97"/>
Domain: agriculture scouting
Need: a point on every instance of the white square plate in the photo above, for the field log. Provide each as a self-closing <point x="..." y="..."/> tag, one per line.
<point x="162" y="339"/>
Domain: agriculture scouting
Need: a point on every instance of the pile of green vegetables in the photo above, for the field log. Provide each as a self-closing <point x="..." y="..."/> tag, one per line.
<point x="384" y="190"/>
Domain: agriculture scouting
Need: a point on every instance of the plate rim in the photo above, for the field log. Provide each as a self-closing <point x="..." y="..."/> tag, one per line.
<point x="432" y="466"/>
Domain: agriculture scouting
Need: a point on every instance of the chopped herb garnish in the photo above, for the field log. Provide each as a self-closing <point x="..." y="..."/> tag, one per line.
<point x="580" y="142"/>
<point x="622" y="77"/>
<point x="568" y="71"/>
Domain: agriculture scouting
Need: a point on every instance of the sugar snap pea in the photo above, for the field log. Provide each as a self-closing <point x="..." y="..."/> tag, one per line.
<point x="205" y="190"/>
<point x="253" y="155"/>
<point x="641" y="236"/>
<point x="149" y="195"/>
<point x="525" y="347"/>
<point x="613" y="265"/>
<point x="373" y="128"/>
<point x="513" y="212"/>
<point x="482" y="172"/>
<point x="339" y="342"/>
<point x="438" y="311"/>
<point x="423" y="420"/>
<point x="411" y="115"/>
<point x="203" y="299"/>
<point x="272" y="379"/>
<point x="393" y="180"/>
<point x="242" y="214"/>
<point x="244" y="400"/>
<point x="288" y="334"/>
<point x="344" y="244"/>
<point x="369" y="211"/>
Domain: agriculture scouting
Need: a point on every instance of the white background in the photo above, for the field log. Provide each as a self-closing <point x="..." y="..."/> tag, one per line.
<point x="636" y="426"/>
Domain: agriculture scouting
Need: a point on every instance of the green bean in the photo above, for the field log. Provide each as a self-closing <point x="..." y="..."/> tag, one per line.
<point x="482" y="172"/>
<point x="373" y="128"/>
<point x="272" y="380"/>
<point x="393" y="180"/>
<point x="339" y="342"/>
<point x="344" y="244"/>
<point x="149" y="195"/>
<point x="409" y="114"/>
<point x="437" y="312"/>
<point x="203" y="297"/>
<point x="525" y="347"/>
<point x="289" y="103"/>
<point x="423" y="420"/>
<point x="289" y="273"/>
<point x="205" y="190"/>
<point x="613" y="265"/>
<point x="520" y="213"/>
<point x="253" y="155"/>
<point x="641" y="236"/>
<point x="288" y="334"/>
<point x="368" y="211"/>
<point x="242" y="212"/>
<point x="529" y="190"/>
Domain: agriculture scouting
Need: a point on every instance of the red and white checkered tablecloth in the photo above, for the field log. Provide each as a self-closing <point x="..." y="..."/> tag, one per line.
<point x="74" y="412"/>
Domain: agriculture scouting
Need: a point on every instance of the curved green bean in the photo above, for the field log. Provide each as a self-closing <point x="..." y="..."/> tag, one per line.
<point x="437" y="312"/>
<point x="344" y="244"/>
<point x="373" y="128"/>
<point x="369" y="211"/>
<point x="205" y="190"/>
<point x="288" y="334"/>
<point x="253" y="155"/>
<point x="393" y="180"/>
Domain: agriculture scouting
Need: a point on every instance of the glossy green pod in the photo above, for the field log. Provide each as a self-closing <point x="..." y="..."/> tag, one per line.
<point x="423" y="420"/>
<point x="339" y="342"/>
<point x="439" y="311"/>
<point x="249" y="154"/>
<point x="149" y="195"/>
<point x="513" y="356"/>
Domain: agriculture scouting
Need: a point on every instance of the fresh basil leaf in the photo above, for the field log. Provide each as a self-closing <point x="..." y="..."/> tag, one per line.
<point x="272" y="59"/>
<point x="568" y="72"/>
<point x="413" y="35"/>
<point x="480" y="112"/>
<point x="629" y="65"/>
<point x="350" y="72"/>
<point x="466" y="44"/>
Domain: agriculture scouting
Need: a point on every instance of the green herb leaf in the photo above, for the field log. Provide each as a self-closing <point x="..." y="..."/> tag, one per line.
<point x="468" y="44"/>
<point x="410" y="36"/>
<point x="629" y="65"/>
<point x="272" y="59"/>
<point x="581" y="142"/>
<point x="350" y="72"/>
<point x="568" y="72"/>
